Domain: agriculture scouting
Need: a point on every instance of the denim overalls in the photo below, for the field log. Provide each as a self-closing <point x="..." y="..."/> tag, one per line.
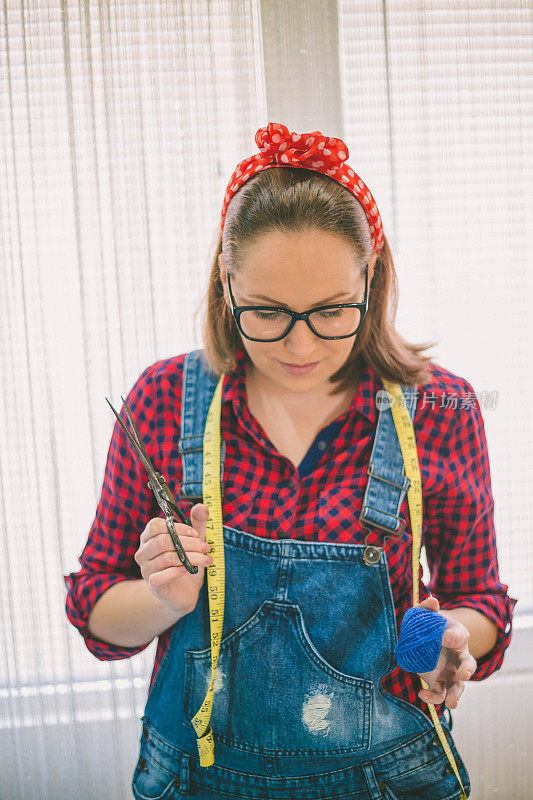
<point x="309" y="631"/>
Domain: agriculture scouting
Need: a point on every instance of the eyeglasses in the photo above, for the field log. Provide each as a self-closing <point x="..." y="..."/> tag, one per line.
<point x="270" y="323"/>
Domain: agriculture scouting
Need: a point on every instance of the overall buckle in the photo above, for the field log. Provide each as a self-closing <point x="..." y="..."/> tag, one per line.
<point x="372" y="552"/>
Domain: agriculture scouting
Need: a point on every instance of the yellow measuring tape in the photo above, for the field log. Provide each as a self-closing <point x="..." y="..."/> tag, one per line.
<point x="214" y="534"/>
<point x="406" y="437"/>
<point x="215" y="537"/>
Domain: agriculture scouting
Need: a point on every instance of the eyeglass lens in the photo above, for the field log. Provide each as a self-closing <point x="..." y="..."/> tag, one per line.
<point x="328" y="322"/>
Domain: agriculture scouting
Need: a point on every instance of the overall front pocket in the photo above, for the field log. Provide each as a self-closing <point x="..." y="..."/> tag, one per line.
<point x="275" y="693"/>
<point x="152" y="781"/>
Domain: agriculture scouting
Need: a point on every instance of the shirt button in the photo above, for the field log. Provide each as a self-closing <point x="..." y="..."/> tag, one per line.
<point x="321" y="445"/>
<point x="508" y="627"/>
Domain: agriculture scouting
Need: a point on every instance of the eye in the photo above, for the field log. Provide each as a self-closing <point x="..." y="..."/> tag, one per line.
<point x="267" y="314"/>
<point x="329" y="314"/>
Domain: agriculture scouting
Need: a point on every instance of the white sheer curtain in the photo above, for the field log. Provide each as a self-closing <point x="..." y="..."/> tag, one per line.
<point x="120" y="126"/>
<point x="121" y="123"/>
<point x="436" y="108"/>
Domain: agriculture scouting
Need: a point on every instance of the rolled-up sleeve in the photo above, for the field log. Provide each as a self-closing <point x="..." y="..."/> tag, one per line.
<point x="125" y="506"/>
<point x="460" y="538"/>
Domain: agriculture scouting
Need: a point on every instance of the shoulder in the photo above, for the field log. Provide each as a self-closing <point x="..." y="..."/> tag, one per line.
<point x="165" y="370"/>
<point x="163" y="375"/>
<point x="445" y="400"/>
<point x="158" y="387"/>
<point x="442" y="380"/>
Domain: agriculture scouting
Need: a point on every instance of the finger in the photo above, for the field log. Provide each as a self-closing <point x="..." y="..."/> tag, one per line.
<point x="455" y="636"/>
<point x="454" y="693"/>
<point x="163" y="543"/>
<point x="199" y="517"/>
<point x="166" y="560"/>
<point x="434" y="696"/>
<point x="159" y="542"/>
<point x="190" y="530"/>
<point x="163" y="576"/>
<point x="430" y="602"/>
<point x="467" y="667"/>
<point x="153" y="528"/>
<point x="182" y="529"/>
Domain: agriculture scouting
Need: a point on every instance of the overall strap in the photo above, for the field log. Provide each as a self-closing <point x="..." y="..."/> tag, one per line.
<point x="387" y="482"/>
<point x="199" y="384"/>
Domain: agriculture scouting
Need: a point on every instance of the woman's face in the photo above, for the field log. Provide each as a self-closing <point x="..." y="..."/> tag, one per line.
<point x="298" y="270"/>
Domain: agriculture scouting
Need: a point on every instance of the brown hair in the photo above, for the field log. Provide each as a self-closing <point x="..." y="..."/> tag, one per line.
<point x="294" y="199"/>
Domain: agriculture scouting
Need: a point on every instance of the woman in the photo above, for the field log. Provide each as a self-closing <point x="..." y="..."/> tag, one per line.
<point x="307" y="698"/>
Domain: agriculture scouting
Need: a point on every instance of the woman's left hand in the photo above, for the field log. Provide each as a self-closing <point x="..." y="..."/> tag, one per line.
<point x="455" y="665"/>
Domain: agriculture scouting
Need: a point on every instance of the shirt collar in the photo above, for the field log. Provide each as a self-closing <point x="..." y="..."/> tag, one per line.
<point x="363" y="401"/>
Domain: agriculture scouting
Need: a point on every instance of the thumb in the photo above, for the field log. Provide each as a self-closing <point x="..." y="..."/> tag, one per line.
<point x="199" y="517"/>
<point x="431" y="603"/>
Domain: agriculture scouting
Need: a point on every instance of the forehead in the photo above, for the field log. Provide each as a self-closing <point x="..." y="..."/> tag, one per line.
<point x="277" y="260"/>
<point x="313" y="247"/>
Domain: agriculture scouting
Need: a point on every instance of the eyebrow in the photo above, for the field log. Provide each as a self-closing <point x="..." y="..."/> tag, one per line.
<point x="285" y="305"/>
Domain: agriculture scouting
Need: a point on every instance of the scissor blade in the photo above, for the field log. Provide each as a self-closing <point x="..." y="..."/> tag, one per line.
<point x="140" y="442"/>
<point x="144" y="458"/>
<point x="159" y="487"/>
<point x="162" y="492"/>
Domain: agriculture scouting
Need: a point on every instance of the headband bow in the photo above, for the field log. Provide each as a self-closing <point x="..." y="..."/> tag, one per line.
<point x="310" y="150"/>
<point x="278" y="147"/>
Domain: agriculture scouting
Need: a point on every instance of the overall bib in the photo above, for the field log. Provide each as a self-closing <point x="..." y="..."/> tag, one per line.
<point x="309" y="630"/>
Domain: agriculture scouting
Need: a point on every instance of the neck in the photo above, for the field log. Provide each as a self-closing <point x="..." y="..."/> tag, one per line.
<point x="317" y="402"/>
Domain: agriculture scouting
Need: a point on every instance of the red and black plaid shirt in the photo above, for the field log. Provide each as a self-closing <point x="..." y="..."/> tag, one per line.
<point x="263" y="493"/>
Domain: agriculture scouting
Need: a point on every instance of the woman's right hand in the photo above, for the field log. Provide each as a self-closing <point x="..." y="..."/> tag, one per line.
<point x="160" y="566"/>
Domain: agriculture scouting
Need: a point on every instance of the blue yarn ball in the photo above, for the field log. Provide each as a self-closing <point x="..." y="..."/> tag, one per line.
<point x="419" y="645"/>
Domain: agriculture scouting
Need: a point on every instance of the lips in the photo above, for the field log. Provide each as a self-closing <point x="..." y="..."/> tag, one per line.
<point x="298" y="369"/>
<point x="299" y="366"/>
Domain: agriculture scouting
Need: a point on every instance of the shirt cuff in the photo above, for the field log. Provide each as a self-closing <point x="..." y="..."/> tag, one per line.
<point x="81" y="596"/>
<point x="499" y="609"/>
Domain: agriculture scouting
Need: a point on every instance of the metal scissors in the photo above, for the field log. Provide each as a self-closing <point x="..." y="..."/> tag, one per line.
<point x="159" y="486"/>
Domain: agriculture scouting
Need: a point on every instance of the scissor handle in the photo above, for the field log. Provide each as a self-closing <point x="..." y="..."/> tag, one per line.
<point x="182" y="555"/>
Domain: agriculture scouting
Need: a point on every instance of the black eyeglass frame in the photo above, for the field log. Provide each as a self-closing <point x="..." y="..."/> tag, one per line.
<point x="237" y="311"/>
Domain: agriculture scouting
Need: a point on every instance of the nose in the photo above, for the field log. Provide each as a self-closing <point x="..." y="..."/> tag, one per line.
<point x="301" y="339"/>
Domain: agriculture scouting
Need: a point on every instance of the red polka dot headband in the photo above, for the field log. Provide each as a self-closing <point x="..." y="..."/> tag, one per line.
<point x="324" y="154"/>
